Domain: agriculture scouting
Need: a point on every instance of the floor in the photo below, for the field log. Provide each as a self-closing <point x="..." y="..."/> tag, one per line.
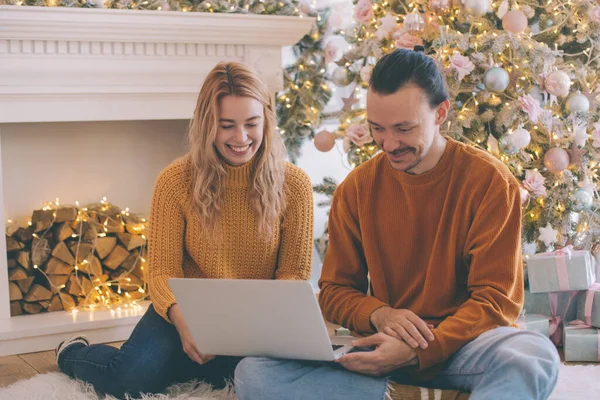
<point x="24" y="366"/>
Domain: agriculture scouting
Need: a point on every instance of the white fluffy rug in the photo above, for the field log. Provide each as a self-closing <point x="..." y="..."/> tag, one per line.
<point x="576" y="382"/>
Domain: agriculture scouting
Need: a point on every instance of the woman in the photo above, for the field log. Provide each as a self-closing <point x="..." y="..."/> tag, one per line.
<point x="232" y="208"/>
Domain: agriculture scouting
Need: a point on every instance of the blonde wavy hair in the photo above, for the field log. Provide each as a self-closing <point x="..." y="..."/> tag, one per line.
<point x="267" y="178"/>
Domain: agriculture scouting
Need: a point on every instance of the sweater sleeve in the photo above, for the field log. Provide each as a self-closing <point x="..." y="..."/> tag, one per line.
<point x="495" y="282"/>
<point x="344" y="280"/>
<point x="165" y="245"/>
<point x="297" y="236"/>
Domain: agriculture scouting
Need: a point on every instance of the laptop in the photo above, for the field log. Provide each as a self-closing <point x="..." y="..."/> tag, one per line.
<point x="260" y="318"/>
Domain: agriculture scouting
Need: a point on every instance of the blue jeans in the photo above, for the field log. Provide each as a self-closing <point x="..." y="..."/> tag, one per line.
<point x="150" y="361"/>
<point x="502" y="363"/>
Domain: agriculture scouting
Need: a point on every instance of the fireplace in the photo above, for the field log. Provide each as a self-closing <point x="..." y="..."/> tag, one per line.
<point x="94" y="103"/>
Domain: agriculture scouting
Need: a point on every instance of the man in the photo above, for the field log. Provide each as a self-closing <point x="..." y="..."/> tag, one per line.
<point x="436" y="225"/>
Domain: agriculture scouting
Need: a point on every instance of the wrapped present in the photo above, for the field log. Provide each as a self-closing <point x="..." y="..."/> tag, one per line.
<point x="534" y="323"/>
<point x="559" y="307"/>
<point x="588" y="306"/>
<point x="563" y="270"/>
<point x="582" y="343"/>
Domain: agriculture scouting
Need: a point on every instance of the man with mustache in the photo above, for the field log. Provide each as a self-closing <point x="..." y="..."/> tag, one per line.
<point x="436" y="225"/>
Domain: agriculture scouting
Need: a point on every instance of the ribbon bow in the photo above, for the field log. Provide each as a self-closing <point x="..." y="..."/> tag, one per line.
<point x="556" y="321"/>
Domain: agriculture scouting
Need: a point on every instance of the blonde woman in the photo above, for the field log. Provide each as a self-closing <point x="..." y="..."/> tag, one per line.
<point x="232" y="208"/>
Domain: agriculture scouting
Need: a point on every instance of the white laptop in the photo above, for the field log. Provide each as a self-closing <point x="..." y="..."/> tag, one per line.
<point x="279" y="319"/>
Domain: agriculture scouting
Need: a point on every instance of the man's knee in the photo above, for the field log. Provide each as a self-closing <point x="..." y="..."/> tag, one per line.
<point x="253" y="377"/>
<point x="534" y="357"/>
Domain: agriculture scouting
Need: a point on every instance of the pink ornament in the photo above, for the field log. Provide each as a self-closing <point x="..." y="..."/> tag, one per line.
<point x="557" y="160"/>
<point x="440" y="5"/>
<point x="324" y="141"/>
<point x="405" y="40"/>
<point x="363" y="11"/>
<point x="595" y="14"/>
<point x="365" y="73"/>
<point x="531" y="106"/>
<point x="535" y="183"/>
<point x="331" y="52"/>
<point x="461" y="64"/>
<point x="359" y="134"/>
<point x="596" y="135"/>
<point x="524" y="195"/>
<point x="514" y="21"/>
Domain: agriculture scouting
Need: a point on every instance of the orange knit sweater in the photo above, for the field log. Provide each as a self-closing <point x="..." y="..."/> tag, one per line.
<point x="178" y="246"/>
<point x="445" y="244"/>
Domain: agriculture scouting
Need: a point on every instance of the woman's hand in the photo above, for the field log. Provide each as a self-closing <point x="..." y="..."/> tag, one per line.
<point x="189" y="345"/>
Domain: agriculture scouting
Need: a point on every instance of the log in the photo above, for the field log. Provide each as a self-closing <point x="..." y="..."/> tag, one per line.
<point x="25" y="284"/>
<point x="81" y="251"/>
<point x="61" y="251"/>
<point x="45" y="304"/>
<point x="12" y="262"/>
<point x="40" y="251"/>
<point x="97" y="280"/>
<point x="24" y="235"/>
<point x="76" y="289"/>
<point x="64" y="214"/>
<point x="91" y="234"/>
<point x="136" y="295"/>
<point x="67" y="301"/>
<point x="11" y="230"/>
<point x="13" y="245"/>
<point x="32" y="308"/>
<point x="15" y="309"/>
<point x="15" y="292"/>
<point x="132" y="241"/>
<point x="57" y="267"/>
<point x="92" y="267"/>
<point x="105" y="246"/>
<point x="55" y="304"/>
<point x="132" y="261"/>
<point x="38" y="293"/>
<point x="24" y="260"/>
<point x="41" y="220"/>
<point x="111" y="225"/>
<point x="63" y="232"/>
<point x="132" y="282"/>
<point x="17" y="274"/>
<point x="116" y="258"/>
<point x="57" y="281"/>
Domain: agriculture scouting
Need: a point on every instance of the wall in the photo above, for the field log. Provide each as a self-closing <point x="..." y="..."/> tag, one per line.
<point x="85" y="161"/>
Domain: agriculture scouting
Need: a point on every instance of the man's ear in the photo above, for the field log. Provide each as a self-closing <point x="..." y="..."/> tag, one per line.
<point x="442" y="112"/>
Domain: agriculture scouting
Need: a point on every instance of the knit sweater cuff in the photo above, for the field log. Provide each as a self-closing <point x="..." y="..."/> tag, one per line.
<point x="363" y="314"/>
<point x="162" y="297"/>
<point x="432" y="355"/>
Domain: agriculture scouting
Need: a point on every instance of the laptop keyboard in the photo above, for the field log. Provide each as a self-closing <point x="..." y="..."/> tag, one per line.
<point x="336" y="346"/>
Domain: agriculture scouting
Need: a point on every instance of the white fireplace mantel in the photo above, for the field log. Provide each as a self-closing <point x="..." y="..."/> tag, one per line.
<point x="68" y="64"/>
<point x="75" y="64"/>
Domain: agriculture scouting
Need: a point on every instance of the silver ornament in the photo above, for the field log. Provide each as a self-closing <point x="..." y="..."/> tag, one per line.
<point x="341" y="76"/>
<point x="577" y="102"/>
<point x="496" y="80"/>
<point x="581" y="200"/>
<point x="508" y="146"/>
<point x="477" y="8"/>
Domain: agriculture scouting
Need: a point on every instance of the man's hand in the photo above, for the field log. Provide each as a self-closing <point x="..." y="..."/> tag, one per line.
<point x="390" y="354"/>
<point x="403" y="324"/>
<point x="187" y="340"/>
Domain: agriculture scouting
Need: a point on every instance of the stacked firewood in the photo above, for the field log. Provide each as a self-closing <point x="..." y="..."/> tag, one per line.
<point x="72" y="257"/>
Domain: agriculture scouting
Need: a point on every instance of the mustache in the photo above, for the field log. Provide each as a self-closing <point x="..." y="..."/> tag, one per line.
<point x="400" y="150"/>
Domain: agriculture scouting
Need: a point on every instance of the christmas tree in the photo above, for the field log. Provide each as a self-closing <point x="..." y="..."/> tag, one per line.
<point x="524" y="83"/>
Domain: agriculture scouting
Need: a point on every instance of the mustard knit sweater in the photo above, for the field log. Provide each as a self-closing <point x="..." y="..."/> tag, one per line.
<point x="178" y="246"/>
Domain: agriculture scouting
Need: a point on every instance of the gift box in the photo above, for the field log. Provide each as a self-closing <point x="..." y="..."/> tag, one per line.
<point x="559" y="307"/>
<point x="534" y="323"/>
<point x="588" y="306"/>
<point x="563" y="270"/>
<point x="582" y="344"/>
